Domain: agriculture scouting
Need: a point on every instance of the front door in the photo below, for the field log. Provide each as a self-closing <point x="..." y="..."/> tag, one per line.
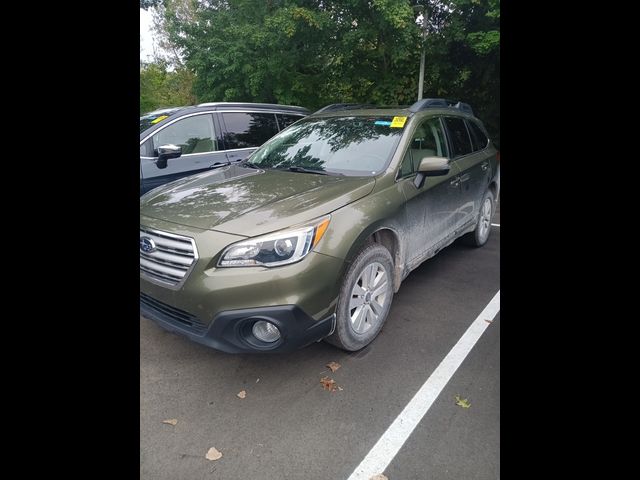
<point x="196" y="135"/>
<point x="430" y="209"/>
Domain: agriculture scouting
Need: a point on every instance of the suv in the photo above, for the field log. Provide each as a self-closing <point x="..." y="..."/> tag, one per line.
<point x="205" y="136"/>
<point x="312" y="235"/>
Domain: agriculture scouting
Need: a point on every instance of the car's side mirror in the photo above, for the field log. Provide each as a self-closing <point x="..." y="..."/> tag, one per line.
<point x="165" y="152"/>
<point x="431" y="167"/>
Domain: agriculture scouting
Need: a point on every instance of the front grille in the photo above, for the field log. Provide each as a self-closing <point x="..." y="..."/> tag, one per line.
<point x="172" y="258"/>
<point x="170" y="314"/>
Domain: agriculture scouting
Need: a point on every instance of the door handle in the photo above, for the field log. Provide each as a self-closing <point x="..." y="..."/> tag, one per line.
<point x="484" y="166"/>
<point x="465" y="178"/>
<point x="455" y="182"/>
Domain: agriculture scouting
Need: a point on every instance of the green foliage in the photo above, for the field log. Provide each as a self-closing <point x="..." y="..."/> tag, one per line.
<point x="162" y="88"/>
<point x="146" y="4"/>
<point x="315" y="52"/>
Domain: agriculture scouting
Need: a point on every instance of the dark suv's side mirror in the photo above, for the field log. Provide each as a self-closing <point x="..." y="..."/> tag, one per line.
<point x="431" y="167"/>
<point x="165" y="152"/>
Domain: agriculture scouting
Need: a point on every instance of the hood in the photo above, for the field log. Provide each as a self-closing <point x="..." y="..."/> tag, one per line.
<point x="249" y="202"/>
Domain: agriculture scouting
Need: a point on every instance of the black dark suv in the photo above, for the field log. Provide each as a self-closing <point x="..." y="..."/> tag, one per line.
<point x="176" y="142"/>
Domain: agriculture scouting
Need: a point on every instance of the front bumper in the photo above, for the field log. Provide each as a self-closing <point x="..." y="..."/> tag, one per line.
<point x="230" y="331"/>
<point x="214" y="306"/>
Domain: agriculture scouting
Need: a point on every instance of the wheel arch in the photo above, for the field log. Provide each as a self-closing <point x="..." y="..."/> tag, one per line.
<point x="387" y="236"/>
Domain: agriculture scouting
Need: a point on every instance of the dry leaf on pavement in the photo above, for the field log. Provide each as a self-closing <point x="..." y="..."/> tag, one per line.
<point x="171" y="421"/>
<point x="379" y="476"/>
<point x="213" y="454"/>
<point x="242" y="394"/>
<point x="463" y="402"/>
<point x="328" y="384"/>
<point x="333" y="366"/>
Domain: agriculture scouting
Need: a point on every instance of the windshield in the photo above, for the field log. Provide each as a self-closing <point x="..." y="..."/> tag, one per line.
<point x="151" y="118"/>
<point x="343" y="145"/>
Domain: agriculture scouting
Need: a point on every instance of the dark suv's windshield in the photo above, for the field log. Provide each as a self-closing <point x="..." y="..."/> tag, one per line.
<point x="151" y="118"/>
<point x="355" y="145"/>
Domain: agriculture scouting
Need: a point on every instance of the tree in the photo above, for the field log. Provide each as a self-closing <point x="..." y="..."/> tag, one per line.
<point x="162" y="88"/>
<point x="315" y="52"/>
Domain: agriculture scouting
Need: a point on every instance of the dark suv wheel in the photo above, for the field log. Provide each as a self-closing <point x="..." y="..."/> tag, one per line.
<point x="365" y="299"/>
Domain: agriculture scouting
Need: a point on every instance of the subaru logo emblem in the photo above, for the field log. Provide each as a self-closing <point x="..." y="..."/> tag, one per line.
<point x="147" y="245"/>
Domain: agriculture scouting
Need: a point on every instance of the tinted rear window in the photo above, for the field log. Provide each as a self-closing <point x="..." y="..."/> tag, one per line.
<point x="246" y="130"/>
<point x="480" y="140"/>
<point x="284" y="120"/>
<point x="461" y="143"/>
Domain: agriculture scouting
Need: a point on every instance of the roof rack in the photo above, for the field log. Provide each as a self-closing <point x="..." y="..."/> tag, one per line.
<point x="440" y="103"/>
<point x="343" y="106"/>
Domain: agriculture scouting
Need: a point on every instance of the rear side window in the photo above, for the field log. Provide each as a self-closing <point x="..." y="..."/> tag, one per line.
<point x="478" y="137"/>
<point x="284" y="120"/>
<point x="460" y="141"/>
<point x="246" y="130"/>
<point x="194" y="134"/>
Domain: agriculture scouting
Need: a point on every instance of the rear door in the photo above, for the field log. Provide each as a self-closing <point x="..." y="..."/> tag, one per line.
<point x="196" y="134"/>
<point x="245" y="131"/>
<point x="473" y="166"/>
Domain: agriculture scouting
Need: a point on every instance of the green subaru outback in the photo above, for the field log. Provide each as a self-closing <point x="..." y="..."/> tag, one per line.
<point x="311" y="236"/>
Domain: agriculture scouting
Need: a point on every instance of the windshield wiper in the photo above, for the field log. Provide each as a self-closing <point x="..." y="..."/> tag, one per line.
<point x="307" y="170"/>
<point x="247" y="163"/>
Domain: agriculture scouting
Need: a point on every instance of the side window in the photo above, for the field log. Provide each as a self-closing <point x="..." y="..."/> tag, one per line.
<point x="245" y="130"/>
<point x="428" y="141"/>
<point x="146" y="149"/>
<point x="406" y="168"/>
<point x="284" y="120"/>
<point x="194" y="134"/>
<point x="461" y="143"/>
<point x="480" y="140"/>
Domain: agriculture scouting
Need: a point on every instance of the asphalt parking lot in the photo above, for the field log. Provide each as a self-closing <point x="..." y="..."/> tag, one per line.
<point x="289" y="427"/>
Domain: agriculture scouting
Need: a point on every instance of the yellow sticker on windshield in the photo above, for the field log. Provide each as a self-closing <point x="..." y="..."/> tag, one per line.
<point x="160" y="118"/>
<point x="398" y="122"/>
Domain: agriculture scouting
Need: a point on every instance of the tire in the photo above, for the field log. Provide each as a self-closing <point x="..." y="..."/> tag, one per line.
<point x="364" y="302"/>
<point x="482" y="231"/>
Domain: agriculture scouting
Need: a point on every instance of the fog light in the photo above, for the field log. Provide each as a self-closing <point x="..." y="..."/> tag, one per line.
<point x="266" y="331"/>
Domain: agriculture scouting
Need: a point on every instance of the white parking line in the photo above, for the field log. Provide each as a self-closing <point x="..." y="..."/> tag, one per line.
<point x="386" y="448"/>
<point x="495" y="224"/>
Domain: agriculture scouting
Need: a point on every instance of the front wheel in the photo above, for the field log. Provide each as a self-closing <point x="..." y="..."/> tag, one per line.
<point x="365" y="299"/>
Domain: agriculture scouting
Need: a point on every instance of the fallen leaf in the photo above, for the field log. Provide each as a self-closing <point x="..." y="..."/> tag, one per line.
<point x="242" y="394"/>
<point x="463" y="402"/>
<point x="213" y="454"/>
<point x="328" y="384"/>
<point x="333" y="366"/>
<point x="340" y="388"/>
<point x="172" y="421"/>
<point x="379" y="476"/>
<point x="488" y="321"/>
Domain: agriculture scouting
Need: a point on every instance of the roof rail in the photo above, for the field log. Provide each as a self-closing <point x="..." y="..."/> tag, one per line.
<point x="440" y="103"/>
<point x="343" y="106"/>
<point x="273" y="106"/>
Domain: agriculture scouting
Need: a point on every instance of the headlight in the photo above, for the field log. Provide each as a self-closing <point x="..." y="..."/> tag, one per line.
<point x="275" y="249"/>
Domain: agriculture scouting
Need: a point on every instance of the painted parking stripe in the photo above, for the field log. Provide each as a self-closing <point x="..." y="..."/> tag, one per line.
<point x="386" y="448"/>
<point x="495" y="224"/>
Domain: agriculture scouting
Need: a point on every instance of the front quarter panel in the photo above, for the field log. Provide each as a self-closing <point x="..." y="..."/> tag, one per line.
<point x="353" y="224"/>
